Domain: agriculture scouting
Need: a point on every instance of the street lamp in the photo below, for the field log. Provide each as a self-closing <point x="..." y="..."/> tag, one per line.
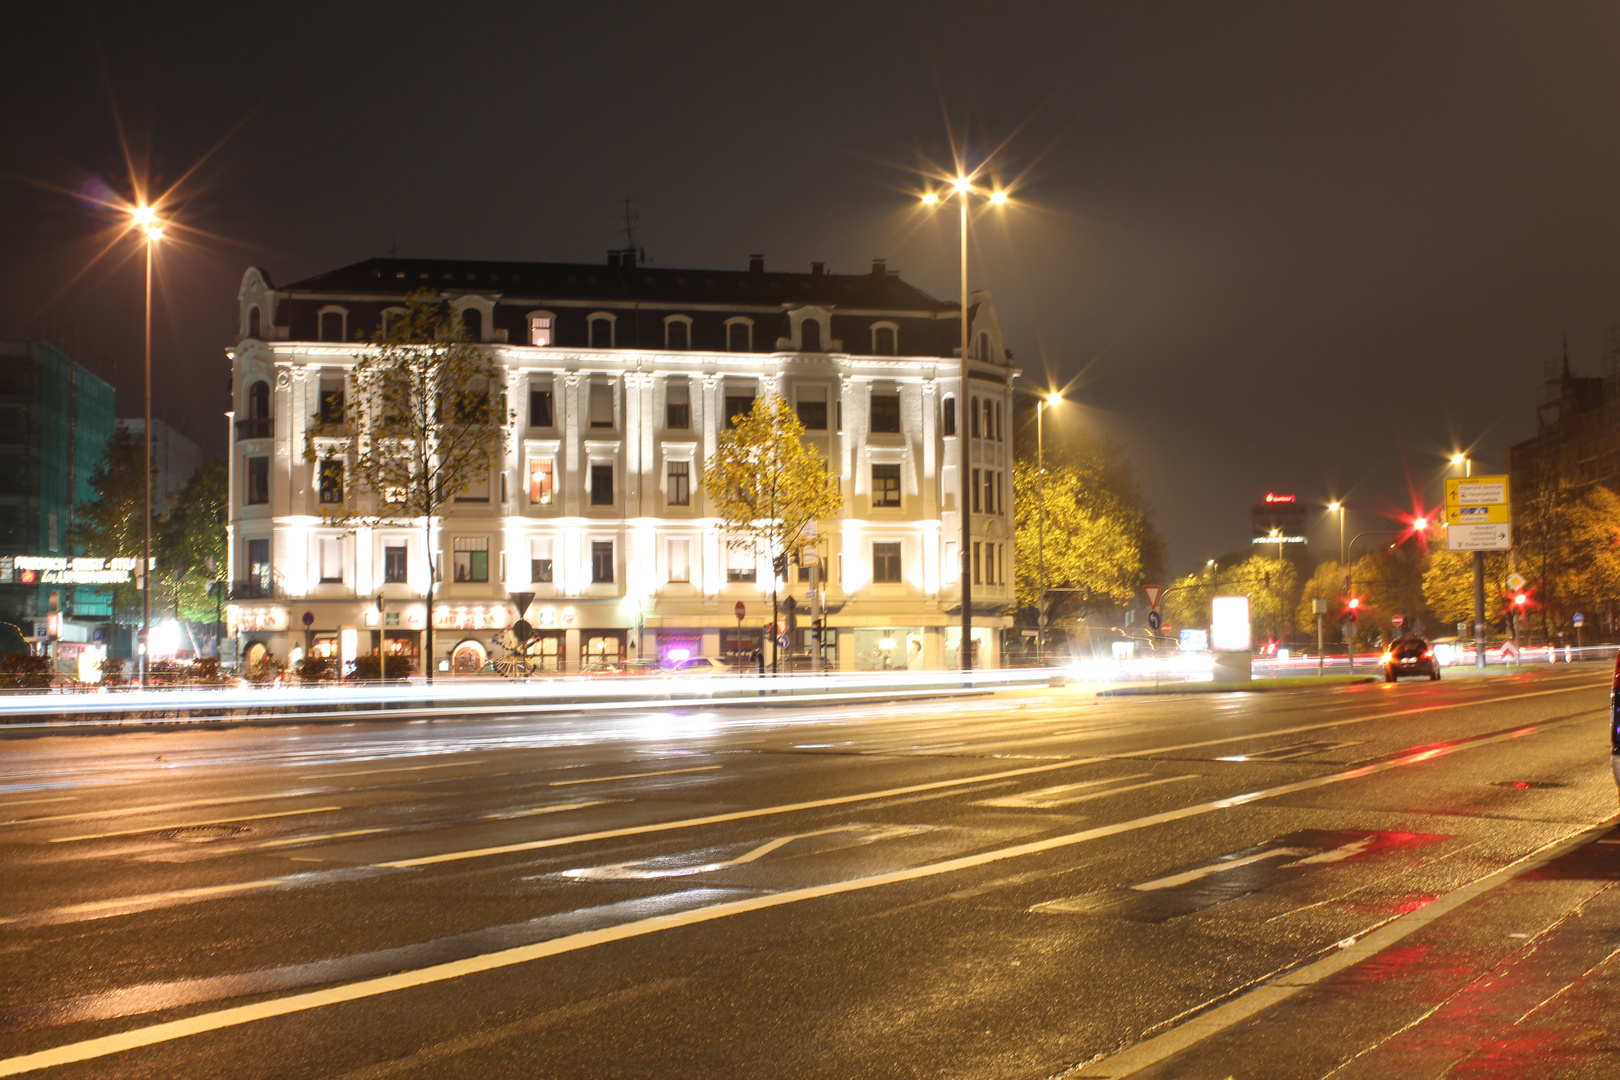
<point x="145" y="218"/>
<point x="1338" y="507"/>
<point x="962" y="188"/>
<point x="1052" y="399"/>
<point x="1479" y="576"/>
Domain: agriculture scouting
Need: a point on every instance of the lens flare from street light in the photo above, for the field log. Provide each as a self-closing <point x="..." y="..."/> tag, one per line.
<point x="998" y="197"/>
<point x="154" y="232"/>
<point x="1419" y="524"/>
<point x="1458" y="459"/>
<point x="144" y="216"/>
<point x="1054" y="399"/>
<point x="962" y="185"/>
<point x="930" y="198"/>
<point x="1334" y="507"/>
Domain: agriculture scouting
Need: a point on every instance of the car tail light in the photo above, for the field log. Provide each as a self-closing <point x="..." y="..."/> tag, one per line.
<point x="1429" y="655"/>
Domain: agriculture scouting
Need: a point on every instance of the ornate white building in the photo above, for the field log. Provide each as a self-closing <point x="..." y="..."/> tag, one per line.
<point x="622" y="377"/>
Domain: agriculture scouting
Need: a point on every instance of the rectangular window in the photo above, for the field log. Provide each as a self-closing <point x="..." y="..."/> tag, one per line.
<point x="601" y="405"/>
<point x="975" y="491"/>
<point x="680" y="483"/>
<point x="676" y="335"/>
<point x="838" y="415"/>
<point x="258" y="481"/>
<point x="950" y="416"/>
<point x="331" y="559"/>
<point x="258" y="566"/>
<point x="1001" y="493"/>
<point x="976" y="578"/>
<point x="601" y="333"/>
<point x="475" y="491"/>
<point x="738" y="338"/>
<point x="738" y="405"/>
<point x="331" y="482"/>
<point x="883" y="341"/>
<point x="886" y="413"/>
<point x="886" y="563"/>
<point x="973" y="418"/>
<point x="1001" y="572"/>
<point x="471" y="559"/>
<point x="539" y="330"/>
<point x="331" y="326"/>
<point x="813" y="411"/>
<point x="678" y="406"/>
<point x="394" y="563"/>
<point x="601" y="485"/>
<point x="885" y="485"/>
<point x="540" y="560"/>
<point x="331" y="403"/>
<point x="540" y="414"/>
<point x="680" y="559"/>
<point x="989" y="492"/>
<point x="542" y="481"/>
<point x="989" y="417"/>
<point x="601" y="562"/>
<point x="741" y="564"/>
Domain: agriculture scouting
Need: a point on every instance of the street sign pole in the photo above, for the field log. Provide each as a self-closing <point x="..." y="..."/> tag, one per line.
<point x="1479" y="610"/>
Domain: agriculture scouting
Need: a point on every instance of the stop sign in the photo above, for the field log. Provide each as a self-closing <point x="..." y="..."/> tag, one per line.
<point x="739" y="611"/>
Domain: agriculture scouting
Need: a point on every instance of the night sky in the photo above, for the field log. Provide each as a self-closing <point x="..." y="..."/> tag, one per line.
<point x="1297" y="248"/>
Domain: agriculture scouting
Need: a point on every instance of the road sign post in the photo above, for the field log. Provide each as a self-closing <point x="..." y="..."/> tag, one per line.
<point x="1479" y="518"/>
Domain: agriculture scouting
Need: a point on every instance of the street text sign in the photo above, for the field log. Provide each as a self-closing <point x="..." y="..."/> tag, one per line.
<point x="1478" y="500"/>
<point x="1479" y="537"/>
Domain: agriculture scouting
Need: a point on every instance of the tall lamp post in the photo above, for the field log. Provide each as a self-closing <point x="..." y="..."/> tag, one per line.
<point x="1338" y="508"/>
<point x="1053" y="399"/>
<point x="962" y="188"/>
<point x="147" y="220"/>
<point x="1479" y="578"/>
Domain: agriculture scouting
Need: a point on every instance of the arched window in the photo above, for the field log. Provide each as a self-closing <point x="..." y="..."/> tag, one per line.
<point x="258" y="401"/>
<point x="677" y="333"/>
<point x="982" y="348"/>
<point x="253" y="321"/>
<point x="883" y="341"/>
<point x="810" y="335"/>
<point x="390" y="316"/>
<point x="601" y="332"/>
<point x="542" y="327"/>
<point x="472" y="320"/>
<point x="331" y="328"/>
<point x="739" y="336"/>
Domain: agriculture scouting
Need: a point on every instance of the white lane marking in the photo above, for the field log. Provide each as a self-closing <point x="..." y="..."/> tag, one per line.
<point x="130" y="811"/>
<point x="649" y="869"/>
<point x="29" y="802"/>
<point x="1347" y="953"/>
<point x="632" y="776"/>
<point x="1052" y="796"/>
<point x="142" y="901"/>
<point x="399" y="768"/>
<point x="1338" y="854"/>
<point x="1201" y="872"/>
<point x="312" y="837"/>
<point x="844" y="800"/>
<point x="555" y="808"/>
<point x="190" y="825"/>
<point x="90" y="1049"/>
<point x="1135" y="787"/>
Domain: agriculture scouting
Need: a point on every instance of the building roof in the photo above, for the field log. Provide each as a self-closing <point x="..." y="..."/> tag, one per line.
<point x="879" y="289"/>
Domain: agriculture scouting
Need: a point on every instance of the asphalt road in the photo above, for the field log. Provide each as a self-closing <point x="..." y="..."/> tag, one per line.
<point x="1359" y="881"/>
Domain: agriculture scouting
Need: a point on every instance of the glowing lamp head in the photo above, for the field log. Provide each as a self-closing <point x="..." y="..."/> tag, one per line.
<point x="1419" y="524"/>
<point x="1355" y="602"/>
<point x="1054" y="399"/>
<point x="930" y="198"/>
<point x="1457" y="459"/>
<point x="154" y="232"/>
<point x="144" y="216"/>
<point x="998" y="197"/>
<point x="1519" y="600"/>
<point x="1333" y="506"/>
<point x="962" y="185"/>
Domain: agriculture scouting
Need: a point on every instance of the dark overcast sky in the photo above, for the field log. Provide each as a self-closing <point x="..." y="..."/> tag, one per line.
<point x="1286" y="247"/>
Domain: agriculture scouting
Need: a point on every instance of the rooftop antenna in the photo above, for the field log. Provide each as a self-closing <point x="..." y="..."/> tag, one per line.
<point x="393" y="243"/>
<point x="630" y="219"/>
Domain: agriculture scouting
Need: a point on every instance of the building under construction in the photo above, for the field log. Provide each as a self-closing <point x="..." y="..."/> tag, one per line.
<point x="1577" y="439"/>
<point x="55" y="420"/>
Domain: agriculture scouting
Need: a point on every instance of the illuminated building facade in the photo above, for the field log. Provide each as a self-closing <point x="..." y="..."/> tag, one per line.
<point x="622" y="377"/>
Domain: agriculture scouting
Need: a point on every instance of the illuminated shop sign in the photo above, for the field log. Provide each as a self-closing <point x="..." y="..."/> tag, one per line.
<point x="59" y="570"/>
<point x="471" y="617"/>
<point x="250" y="619"/>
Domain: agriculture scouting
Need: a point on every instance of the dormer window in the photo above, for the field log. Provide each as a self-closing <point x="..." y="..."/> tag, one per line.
<point x="332" y="324"/>
<point x="884" y="339"/>
<point x="677" y="333"/>
<point x="472" y="321"/>
<point x="739" y="335"/>
<point x="540" y="329"/>
<point x="601" y="336"/>
<point x="810" y="335"/>
<point x="253" y="321"/>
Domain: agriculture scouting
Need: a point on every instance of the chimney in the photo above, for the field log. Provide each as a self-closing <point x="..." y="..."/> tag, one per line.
<point x="879" y="267"/>
<point x="817" y="269"/>
<point x="756" y="264"/>
<point x="613" y="258"/>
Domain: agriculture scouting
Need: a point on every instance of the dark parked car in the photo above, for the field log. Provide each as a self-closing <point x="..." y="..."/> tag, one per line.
<point x="1410" y="656"/>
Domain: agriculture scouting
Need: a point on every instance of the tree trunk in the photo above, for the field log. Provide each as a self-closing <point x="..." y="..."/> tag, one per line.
<point x="427" y="626"/>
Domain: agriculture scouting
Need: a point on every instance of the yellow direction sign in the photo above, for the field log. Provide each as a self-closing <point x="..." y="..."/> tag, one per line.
<point x="1477" y="500"/>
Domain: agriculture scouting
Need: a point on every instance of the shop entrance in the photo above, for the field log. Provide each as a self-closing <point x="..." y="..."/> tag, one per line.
<point x="603" y="647"/>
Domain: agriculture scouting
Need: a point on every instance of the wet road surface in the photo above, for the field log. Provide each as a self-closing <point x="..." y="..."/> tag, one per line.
<point x="1358" y="881"/>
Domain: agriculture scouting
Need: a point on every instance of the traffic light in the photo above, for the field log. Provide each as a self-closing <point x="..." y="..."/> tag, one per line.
<point x="780" y="564"/>
<point x="1518" y="601"/>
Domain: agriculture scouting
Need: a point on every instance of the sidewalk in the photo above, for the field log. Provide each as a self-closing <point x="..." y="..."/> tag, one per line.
<point x="1514" y="979"/>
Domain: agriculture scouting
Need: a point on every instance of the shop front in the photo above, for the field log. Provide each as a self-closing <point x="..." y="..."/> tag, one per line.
<point x="889" y="648"/>
<point x="603" y="646"/>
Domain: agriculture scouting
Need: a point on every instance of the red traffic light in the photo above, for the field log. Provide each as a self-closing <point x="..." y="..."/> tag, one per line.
<point x="1519" y="599"/>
